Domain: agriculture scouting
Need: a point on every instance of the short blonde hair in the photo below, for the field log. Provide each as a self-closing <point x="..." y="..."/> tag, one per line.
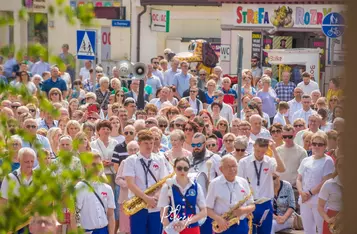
<point x="211" y="82"/>
<point x="319" y="135"/>
<point x="266" y="79"/>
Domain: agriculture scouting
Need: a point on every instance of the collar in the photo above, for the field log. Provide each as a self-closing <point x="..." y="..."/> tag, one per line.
<point x="223" y="180"/>
<point x="252" y="159"/>
<point x="140" y="156"/>
<point x="190" y="182"/>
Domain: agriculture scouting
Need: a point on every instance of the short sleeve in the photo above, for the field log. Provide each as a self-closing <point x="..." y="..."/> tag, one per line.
<point x="164" y="197"/>
<point x="273" y="165"/>
<point x="211" y="196"/>
<point x="201" y="201"/>
<point x="64" y="86"/>
<point x="129" y="167"/>
<point x="4" y="188"/>
<point x="302" y="167"/>
<point x="241" y="172"/>
<point x="80" y="195"/>
<point x="111" y="200"/>
<point x="329" y="167"/>
<point x="324" y="191"/>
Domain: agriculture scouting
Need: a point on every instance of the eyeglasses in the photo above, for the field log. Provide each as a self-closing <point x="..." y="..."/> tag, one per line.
<point x="202" y="74"/>
<point x="240" y="150"/>
<point x="228" y="140"/>
<point x="163" y="126"/>
<point x="179" y="125"/>
<point x="211" y="145"/>
<point x="149" y="122"/>
<point x="223" y="124"/>
<point x="275" y="131"/>
<point x="31" y="126"/>
<point x="298" y="125"/>
<point x="128" y="132"/>
<point x="32" y="110"/>
<point x="288" y="137"/>
<point x="92" y="118"/>
<point x="188" y="129"/>
<point x="193" y="71"/>
<point x="318" y="144"/>
<point x="120" y="95"/>
<point x="244" y="129"/>
<point x="179" y="168"/>
<point x="193" y="91"/>
<point x="155" y="62"/>
<point x="15" y="107"/>
<point x="15" y="144"/>
<point x="198" y="145"/>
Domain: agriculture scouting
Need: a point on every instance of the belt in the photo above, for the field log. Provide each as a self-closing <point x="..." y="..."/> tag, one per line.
<point x="98" y="229"/>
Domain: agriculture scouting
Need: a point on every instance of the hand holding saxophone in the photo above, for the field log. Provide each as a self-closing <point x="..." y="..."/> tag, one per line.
<point x="222" y="224"/>
<point x="150" y="201"/>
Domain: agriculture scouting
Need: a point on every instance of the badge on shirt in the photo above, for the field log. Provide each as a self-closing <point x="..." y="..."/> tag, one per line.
<point x="191" y="192"/>
<point x="266" y="170"/>
<point x="155" y="166"/>
<point x="104" y="194"/>
<point x="242" y="191"/>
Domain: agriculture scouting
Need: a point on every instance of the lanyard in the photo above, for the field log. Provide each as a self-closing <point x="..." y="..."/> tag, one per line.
<point x="230" y="192"/>
<point x="146" y="170"/>
<point x="258" y="173"/>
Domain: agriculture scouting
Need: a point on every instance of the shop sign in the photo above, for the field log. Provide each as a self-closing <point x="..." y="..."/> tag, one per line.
<point x="160" y="20"/>
<point x="36" y="5"/>
<point x="256" y="44"/>
<point x="225" y="53"/>
<point x="285" y="16"/>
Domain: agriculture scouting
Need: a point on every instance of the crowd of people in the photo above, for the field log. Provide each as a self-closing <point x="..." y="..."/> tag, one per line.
<point x="269" y="165"/>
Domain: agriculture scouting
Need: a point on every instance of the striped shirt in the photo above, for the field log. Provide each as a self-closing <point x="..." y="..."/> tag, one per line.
<point x="120" y="153"/>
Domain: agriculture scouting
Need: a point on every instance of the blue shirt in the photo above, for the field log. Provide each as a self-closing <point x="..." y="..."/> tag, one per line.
<point x="42" y="124"/>
<point x="169" y="76"/>
<point x="209" y="99"/>
<point x="41" y="140"/>
<point x="3" y="79"/>
<point x="154" y="82"/>
<point x="40" y="67"/>
<point x="268" y="100"/>
<point x="49" y="84"/>
<point x="181" y="82"/>
<point x="9" y="66"/>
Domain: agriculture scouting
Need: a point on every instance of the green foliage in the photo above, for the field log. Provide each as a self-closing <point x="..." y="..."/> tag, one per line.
<point x="53" y="186"/>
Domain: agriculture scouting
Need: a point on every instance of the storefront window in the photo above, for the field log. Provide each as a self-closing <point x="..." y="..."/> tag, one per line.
<point x="37" y="29"/>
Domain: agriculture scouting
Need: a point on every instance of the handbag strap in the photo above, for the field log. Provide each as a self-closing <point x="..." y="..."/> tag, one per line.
<point x="96" y="194"/>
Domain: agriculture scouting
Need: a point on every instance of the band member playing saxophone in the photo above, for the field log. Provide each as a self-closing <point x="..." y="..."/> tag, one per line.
<point x="204" y="165"/>
<point x="179" y="199"/>
<point x="227" y="193"/>
<point x="259" y="168"/>
<point x="141" y="172"/>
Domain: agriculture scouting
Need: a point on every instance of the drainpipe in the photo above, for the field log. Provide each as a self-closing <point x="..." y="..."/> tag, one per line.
<point x="139" y="34"/>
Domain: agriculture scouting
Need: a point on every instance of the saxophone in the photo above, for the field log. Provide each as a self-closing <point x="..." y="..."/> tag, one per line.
<point x="232" y="219"/>
<point x="335" y="227"/>
<point x="136" y="203"/>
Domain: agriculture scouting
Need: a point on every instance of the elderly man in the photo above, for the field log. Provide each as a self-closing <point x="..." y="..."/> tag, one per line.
<point x="306" y="110"/>
<point x="285" y="88"/>
<point x="218" y="72"/>
<point x="163" y="97"/>
<point x="316" y="94"/>
<point x="314" y="123"/>
<point x="257" y="130"/>
<point x="43" y="224"/>
<point x="295" y="104"/>
<point x="170" y="73"/>
<point x="230" y="95"/>
<point x="84" y="73"/>
<point x="226" y="111"/>
<point x="224" y="193"/>
<point x="244" y="129"/>
<point x="134" y="90"/>
<point x="200" y="95"/>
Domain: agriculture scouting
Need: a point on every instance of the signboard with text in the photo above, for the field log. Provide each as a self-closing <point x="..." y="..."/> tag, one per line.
<point x="106" y="44"/>
<point x="225" y="54"/>
<point x="160" y="20"/>
<point x="284" y="16"/>
<point x="256" y="44"/>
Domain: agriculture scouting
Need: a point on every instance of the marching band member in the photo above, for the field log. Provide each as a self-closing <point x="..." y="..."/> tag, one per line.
<point x="225" y="192"/>
<point x="186" y="195"/>
<point x="312" y="173"/>
<point x="198" y="164"/>
<point x="259" y="168"/>
<point x="142" y="171"/>
<point x="331" y="193"/>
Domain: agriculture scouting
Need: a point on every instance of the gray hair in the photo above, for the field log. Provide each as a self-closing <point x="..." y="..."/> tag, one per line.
<point x="199" y="135"/>
<point x="226" y="158"/>
<point x="241" y="141"/>
<point x="217" y="68"/>
<point x="132" y="143"/>
<point x="339" y="120"/>
<point x="25" y="150"/>
<point x="103" y="79"/>
<point x="16" y="138"/>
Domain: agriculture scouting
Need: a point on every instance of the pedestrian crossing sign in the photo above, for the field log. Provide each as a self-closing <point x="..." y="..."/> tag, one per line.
<point x="86" y="44"/>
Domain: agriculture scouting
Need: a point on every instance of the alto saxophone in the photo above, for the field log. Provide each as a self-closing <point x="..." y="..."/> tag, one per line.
<point x="336" y="227"/>
<point x="135" y="204"/>
<point x="231" y="218"/>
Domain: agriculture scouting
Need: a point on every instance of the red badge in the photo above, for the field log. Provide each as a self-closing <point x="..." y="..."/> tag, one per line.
<point x="242" y="191"/>
<point x="155" y="166"/>
<point x="104" y="194"/>
<point x="266" y="170"/>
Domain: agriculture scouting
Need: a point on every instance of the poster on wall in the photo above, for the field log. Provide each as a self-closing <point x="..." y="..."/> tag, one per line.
<point x="321" y="44"/>
<point x="282" y="42"/>
<point x="256" y="44"/>
<point x="267" y="45"/>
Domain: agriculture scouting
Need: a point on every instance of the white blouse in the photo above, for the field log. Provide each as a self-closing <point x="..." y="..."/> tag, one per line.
<point x="331" y="193"/>
<point x="105" y="152"/>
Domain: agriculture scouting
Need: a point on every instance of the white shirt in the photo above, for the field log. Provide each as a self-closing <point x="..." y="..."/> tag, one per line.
<point x="262" y="134"/>
<point x="5" y="184"/>
<point x="226" y="112"/>
<point x="92" y="212"/>
<point x="292" y="158"/>
<point x="332" y="194"/>
<point x="84" y="72"/>
<point x="223" y="195"/>
<point x="66" y="77"/>
<point x="307" y="89"/>
<point x="293" y="107"/>
<point x="193" y="104"/>
<point x="157" y="102"/>
<point x="246" y="170"/>
<point x="327" y="127"/>
<point x="279" y="118"/>
<point x="106" y="153"/>
<point x="134" y="168"/>
<point x="303" y="115"/>
<point x="164" y="199"/>
<point x="312" y="172"/>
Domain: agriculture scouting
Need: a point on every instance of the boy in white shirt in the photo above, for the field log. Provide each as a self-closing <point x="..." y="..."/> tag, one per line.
<point x="280" y="117"/>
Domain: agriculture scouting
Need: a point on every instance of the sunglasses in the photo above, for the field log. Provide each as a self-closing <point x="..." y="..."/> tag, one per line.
<point x="193" y="71"/>
<point x="54" y="94"/>
<point x="215" y="97"/>
<point x="198" y="145"/>
<point x="15" y="107"/>
<point x="318" y="144"/>
<point x="155" y="62"/>
<point x="127" y="133"/>
<point x="240" y="150"/>
<point x="223" y="124"/>
<point x="298" y="125"/>
<point x="275" y="131"/>
<point x="149" y="122"/>
<point x="163" y="126"/>
<point x="228" y="140"/>
<point x="31" y="126"/>
<point x="211" y="145"/>
<point x="179" y="168"/>
<point x="179" y="125"/>
<point x="188" y="129"/>
<point x="120" y="95"/>
<point x="32" y="110"/>
<point x="193" y="91"/>
<point x="202" y="74"/>
<point x="288" y="137"/>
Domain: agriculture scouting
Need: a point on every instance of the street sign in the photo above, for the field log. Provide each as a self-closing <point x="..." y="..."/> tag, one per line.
<point x="225" y="54"/>
<point x="333" y="25"/>
<point x="121" y="23"/>
<point x="86" y="44"/>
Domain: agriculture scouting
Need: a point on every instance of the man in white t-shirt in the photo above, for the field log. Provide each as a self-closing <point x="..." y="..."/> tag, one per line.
<point x="306" y="110"/>
<point x="308" y="85"/>
<point x="84" y="73"/>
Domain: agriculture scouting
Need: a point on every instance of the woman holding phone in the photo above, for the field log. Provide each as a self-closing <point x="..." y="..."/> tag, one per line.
<point x="184" y="193"/>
